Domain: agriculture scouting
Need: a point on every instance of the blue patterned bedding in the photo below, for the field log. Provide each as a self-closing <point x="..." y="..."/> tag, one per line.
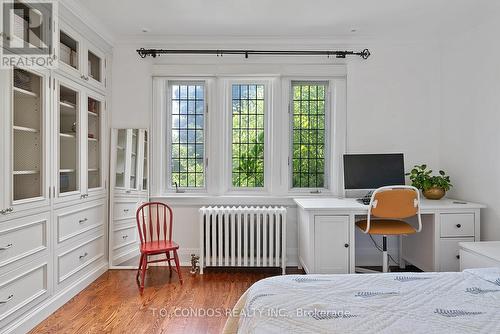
<point x="465" y="302"/>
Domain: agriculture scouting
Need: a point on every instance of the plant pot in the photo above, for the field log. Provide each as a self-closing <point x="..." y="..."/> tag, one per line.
<point x="434" y="193"/>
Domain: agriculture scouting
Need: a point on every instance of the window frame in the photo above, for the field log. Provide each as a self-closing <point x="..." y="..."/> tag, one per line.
<point x="228" y="121"/>
<point x="168" y="133"/>
<point x="333" y="140"/>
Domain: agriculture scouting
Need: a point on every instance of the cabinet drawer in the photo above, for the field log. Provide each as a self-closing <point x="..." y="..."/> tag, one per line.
<point x="124" y="210"/>
<point x="124" y="236"/>
<point x="22" y="289"/>
<point x="21" y="238"/>
<point x="75" y="221"/>
<point x="457" y="225"/>
<point x="76" y="259"/>
<point x="449" y="253"/>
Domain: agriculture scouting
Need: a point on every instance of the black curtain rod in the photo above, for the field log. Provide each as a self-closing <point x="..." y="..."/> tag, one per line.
<point x="143" y="53"/>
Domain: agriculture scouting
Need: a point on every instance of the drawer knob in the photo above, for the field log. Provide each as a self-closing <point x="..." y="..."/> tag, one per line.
<point x="125" y="210"/>
<point x="459" y="225"/>
<point x="5" y="301"/>
<point x="81" y="221"/>
<point x="125" y="236"/>
<point x="346" y="245"/>
<point x="458" y="256"/>
<point x="6" y="247"/>
<point x="84" y="255"/>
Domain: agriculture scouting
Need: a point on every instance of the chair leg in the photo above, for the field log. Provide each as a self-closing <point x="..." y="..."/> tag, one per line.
<point x="169" y="264"/>
<point x="139" y="268"/>
<point x="176" y="258"/>
<point x="143" y="271"/>
<point x="385" y="263"/>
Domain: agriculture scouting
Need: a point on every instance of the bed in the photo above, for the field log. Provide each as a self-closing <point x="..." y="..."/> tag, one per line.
<point x="462" y="302"/>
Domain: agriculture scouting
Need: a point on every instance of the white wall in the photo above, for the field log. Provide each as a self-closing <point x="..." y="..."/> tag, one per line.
<point x="390" y="99"/>
<point x="470" y="134"/>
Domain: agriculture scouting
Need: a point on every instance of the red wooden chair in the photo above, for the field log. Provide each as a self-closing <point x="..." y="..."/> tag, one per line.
<point x="154" y="221"/>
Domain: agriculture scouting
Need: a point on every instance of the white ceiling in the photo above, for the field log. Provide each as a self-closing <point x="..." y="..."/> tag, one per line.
<point x="290" y="18"/>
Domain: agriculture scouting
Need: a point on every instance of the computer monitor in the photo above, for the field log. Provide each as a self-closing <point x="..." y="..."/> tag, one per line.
<point x="371" y="171"/>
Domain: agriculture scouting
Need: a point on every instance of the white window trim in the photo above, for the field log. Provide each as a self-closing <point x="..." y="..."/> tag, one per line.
<point x="216" y="182"/>
<point x="162" y="124"/>
<point x="335" y="134"/>
<point x="228" y="111"/>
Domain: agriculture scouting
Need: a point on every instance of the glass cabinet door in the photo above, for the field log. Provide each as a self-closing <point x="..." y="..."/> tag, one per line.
<point x="95" y="137"/>
<point x="145" y="163"/>
<point x="69" y="128"/>
<point x="95" y="61"/>
<point x="28" y="133"/>
<point x="134" y="159"/>
<point x="69" y="50"/>
<point x="121" y="158"/>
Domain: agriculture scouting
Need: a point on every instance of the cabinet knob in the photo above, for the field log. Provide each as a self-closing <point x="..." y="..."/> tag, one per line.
<point x="81" y="221"/>
<point x="346" y="245"/>
<point x="125" y="236"/>
<point x="459" y="225"/>
<point x="84" y="255"/>
<point x="458" y="256"/>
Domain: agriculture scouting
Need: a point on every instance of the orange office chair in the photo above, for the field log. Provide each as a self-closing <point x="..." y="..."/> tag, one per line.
<point x="389" y="206"/>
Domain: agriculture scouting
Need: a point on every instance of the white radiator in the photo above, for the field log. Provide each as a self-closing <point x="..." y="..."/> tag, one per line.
<point x="242" y="237"/>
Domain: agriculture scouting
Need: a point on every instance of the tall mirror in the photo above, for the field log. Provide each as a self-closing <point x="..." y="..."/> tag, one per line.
<point x="129" y="189"/>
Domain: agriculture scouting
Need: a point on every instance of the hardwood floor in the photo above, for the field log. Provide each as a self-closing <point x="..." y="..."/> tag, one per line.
<point x="112" y="304"/>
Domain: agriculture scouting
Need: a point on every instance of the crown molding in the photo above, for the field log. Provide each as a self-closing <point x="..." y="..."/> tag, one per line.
<point x="270" y="42"/>
<point x="77" y="9"/>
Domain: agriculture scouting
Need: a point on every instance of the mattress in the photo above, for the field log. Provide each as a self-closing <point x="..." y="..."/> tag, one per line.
<point x="464" y="302"/>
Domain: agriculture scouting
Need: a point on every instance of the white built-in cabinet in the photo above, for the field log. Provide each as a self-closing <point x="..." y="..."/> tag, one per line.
<point x="54" y="138"/>
<point x="80" y="59"/>
<point x="129" y="190"/>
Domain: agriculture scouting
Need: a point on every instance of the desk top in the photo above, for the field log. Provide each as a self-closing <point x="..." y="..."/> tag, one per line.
<point x="350" y="204"/>
<point x="489" y="249"/>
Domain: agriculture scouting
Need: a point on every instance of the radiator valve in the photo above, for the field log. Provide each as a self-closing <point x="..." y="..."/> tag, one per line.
<point x="194" y="264"/>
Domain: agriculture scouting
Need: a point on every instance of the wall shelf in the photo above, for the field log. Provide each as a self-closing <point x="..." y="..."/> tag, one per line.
<point x="91" y="113"/>
<point x="25" y="129"/>
<point x="67" y="135"/>
<point x="67" y="170"/>
<point x="26" y="172"/>
<point x="25" y="92"/>
<point x="67" y="105"/>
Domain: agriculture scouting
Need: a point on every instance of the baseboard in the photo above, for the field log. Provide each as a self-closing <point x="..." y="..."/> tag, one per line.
<point x="46" y="308"/>
<point x="292" y="259"/>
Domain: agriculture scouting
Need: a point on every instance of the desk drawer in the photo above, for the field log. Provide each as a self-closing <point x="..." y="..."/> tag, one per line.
<point x="449" y="253"/>
<point x="124" y="210"/>
<point x="76" y="259"/>
<point x="22" y="289"/>
<point x="22" y="238"/>
<point x="78" y="220"/>
<point x="457" y="225"/>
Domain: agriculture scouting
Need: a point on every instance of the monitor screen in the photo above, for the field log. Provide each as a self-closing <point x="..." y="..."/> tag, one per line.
<point x="371" y="171"/>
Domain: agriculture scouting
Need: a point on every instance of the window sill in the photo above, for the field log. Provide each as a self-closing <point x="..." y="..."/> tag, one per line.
<point x="193" y="199"/>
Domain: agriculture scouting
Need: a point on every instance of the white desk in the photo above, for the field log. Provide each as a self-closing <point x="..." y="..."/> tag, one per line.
<point x="326" y="234"/>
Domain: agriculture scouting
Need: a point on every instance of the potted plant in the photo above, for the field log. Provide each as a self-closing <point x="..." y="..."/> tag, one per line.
<point x="432" y="186"/>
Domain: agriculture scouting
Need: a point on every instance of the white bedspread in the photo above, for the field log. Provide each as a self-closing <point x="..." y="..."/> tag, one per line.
<point x="465" y="302"/>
